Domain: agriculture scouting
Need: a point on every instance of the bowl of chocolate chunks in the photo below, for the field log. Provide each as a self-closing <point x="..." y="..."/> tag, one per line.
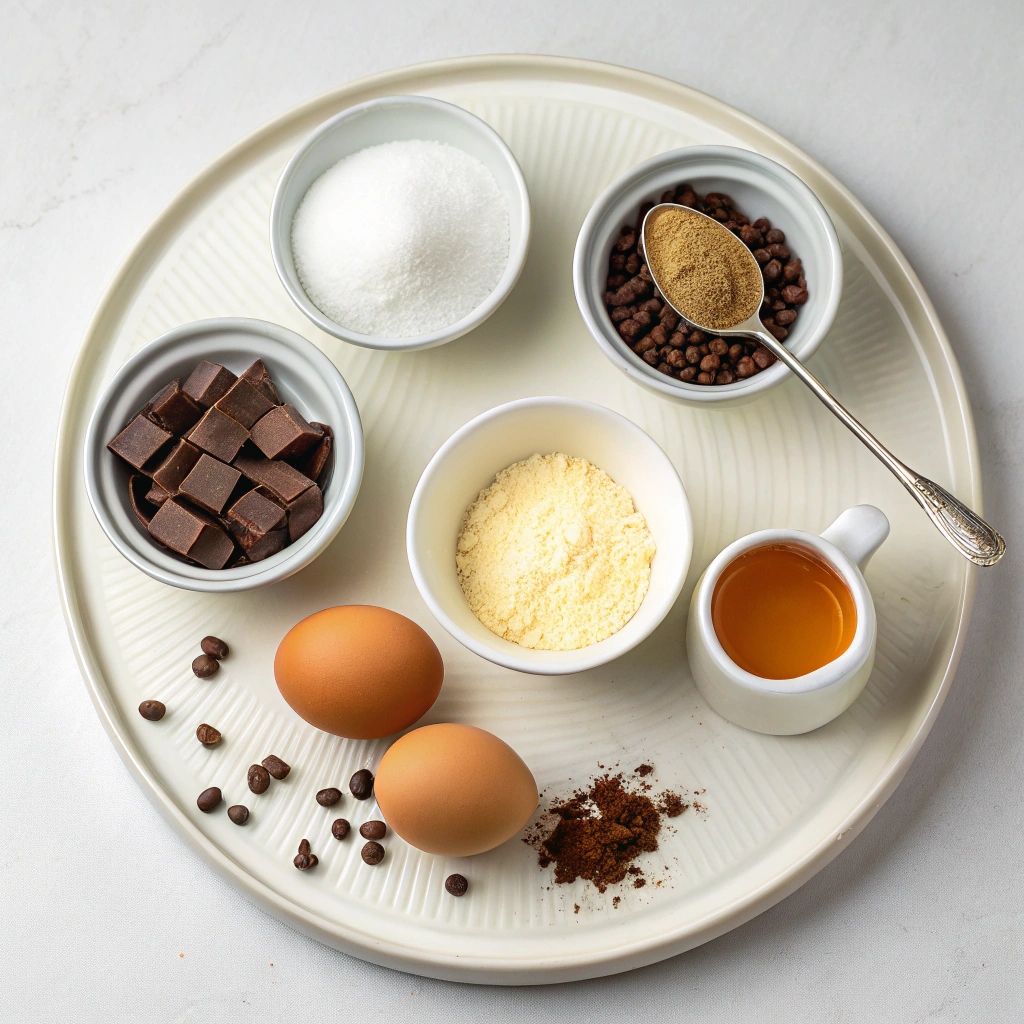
<point x="224" y="456"/>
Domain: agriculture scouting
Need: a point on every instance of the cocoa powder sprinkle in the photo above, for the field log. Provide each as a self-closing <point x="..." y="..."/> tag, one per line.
<point x="599" y="832"/>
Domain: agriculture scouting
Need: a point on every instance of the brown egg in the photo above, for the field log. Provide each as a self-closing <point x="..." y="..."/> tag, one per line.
<point x="454" y="790"/>
<point x="358" y="671"/>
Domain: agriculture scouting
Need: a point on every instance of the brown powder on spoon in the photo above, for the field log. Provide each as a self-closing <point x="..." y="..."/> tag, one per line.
<point x="703" y="269"/>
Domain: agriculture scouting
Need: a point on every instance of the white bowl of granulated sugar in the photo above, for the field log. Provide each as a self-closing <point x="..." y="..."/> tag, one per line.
<point x="550" y="569"/>
<point x="401" y="223"/>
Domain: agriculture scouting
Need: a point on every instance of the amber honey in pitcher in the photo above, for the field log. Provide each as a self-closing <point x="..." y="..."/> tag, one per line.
<point x="781" y="611"/>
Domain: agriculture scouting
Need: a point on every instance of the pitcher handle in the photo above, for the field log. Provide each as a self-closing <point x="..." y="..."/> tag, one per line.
<point x="858" y="533"/>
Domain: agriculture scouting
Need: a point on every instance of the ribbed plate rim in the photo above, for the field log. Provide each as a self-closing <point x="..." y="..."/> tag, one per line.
<point x="527" y="970"/>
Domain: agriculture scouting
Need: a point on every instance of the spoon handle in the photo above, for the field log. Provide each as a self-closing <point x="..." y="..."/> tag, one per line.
<point x="958" y="523"/>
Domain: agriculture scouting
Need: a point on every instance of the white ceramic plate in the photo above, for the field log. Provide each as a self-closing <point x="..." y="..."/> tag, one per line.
<point x="777" y="809"/>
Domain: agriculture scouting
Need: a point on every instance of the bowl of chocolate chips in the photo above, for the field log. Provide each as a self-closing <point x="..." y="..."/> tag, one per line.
<point x="770" y="210"/>
<point x="224" y="456"/>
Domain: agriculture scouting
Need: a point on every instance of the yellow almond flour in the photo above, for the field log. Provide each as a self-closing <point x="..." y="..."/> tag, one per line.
<point x="554" y="555"/>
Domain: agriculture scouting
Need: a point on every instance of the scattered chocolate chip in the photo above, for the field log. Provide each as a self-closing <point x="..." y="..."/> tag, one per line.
<point x="207" y="735"/>
<point x="340" y="828"/>
<point x="204" y="666"/>
<point x="456" y="885"/>
<point x="152" y="710"/>
<point x="361" y="784"/>
<point x="372" y="853"/>
<point x="208" y="799"/>
<point x="276" y="767"/>
<point x="373" y="830"/>
<point x="259" y="778"/>
<point x="214" y="647"/>
<point x="304" y="860"/>
<point x="328" y="797"/>
<point x="238" y="814"/>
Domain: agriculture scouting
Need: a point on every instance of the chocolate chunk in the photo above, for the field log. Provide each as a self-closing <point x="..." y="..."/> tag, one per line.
<point x="456" y="885"/>
<point x="276" y="766"/>
<point x="178" y="464"/>
<point x="244" y="403"/>
<point x="207" y="735"/>
<point x="140" y="441"/>
<point x="210" y="484"/>
<point x="214" y="647"/>
<point x="138" y="488"/>
<point x="258" y="778"/>
<point x="340" y="828"/>
<point x="361" y="784"/>
<point x="328" y="797"/>
<point x="303" y="512"/>
<point x="252" y="517"/>
<point x="208" y="799"/>
<point x="237" y="559"/>
<point x="191" y="533"/>
<point x="172" y="409"/>
<point x="219" y="435"/>
<point x="239" y="814"/>
<point x="208" y="383"/>
<point x="156" y="495"/>
<point x="204" y="666"/>
<point x="373" y="830"/>
<point x="280" y="480"/>
<point x="372" y="853"/>
<point x="258" y="376"/>
<point x="314" y="463"/>
<point x="269" y="545"/>
<point x="284" y="433"/>
<point x="152" y="710"/>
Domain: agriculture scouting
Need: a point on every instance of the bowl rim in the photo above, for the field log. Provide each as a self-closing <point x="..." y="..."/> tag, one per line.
<point x="629" y="362"/>
<point x="280" y="233"/>
<point x="260" y="573"/>
<point x="584" y="661"/>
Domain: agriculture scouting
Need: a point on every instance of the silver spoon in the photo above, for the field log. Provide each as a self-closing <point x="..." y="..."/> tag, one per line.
<point x="960" y="525"/>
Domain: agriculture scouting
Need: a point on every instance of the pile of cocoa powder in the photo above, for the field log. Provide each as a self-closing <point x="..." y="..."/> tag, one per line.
<point x="598" y="832"/>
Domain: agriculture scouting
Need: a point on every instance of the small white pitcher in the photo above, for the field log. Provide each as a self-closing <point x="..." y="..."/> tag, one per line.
<point x="785" y="707"/>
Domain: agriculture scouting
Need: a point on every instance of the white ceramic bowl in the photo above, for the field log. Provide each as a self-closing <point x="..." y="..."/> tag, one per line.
<point x="390" y="119"/>
<point x="303" y="375"/>
<point x="760" y="188"/>
<point x="467" y="463"/>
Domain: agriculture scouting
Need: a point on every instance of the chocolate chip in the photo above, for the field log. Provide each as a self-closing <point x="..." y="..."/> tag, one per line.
<point x="340" y="828"/>
<point x="372" y="853"/>
<point x="204" y="666"/>
<point x="238" y="814"/>
<point x="276" y="767"/>
<point x="208" y="799"/>
<point x="207" y="735"/>
<point x="214" y="647"/>
<point x="373" y="830"/>
<point x="304" y="860"/>
<point x="259" y="778"/>
<point x="361" y="784"/>
<point x="152" y="710"/>
<point x="328" y="797"/>
<point x="456" y="885"/>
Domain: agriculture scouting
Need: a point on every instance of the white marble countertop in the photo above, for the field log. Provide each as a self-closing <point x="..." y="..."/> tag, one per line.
<point x="110" y="108"/>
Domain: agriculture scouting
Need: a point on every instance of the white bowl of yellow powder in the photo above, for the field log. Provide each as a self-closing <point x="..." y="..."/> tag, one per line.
<point x="550" y="535"/>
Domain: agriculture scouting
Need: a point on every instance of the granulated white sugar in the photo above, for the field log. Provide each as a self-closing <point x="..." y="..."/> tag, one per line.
<point x="401" y="239"/>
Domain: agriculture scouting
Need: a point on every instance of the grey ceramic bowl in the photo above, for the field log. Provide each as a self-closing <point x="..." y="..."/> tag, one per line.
<point x="761" y="188"/>
<point x="391" y="119"/>
<point x="303" y="375"/>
